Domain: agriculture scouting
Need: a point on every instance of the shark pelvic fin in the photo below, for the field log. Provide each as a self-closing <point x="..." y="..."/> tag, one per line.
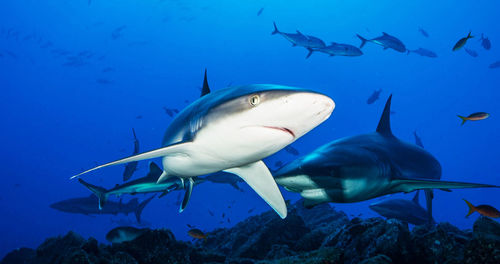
<point x="384" y="125"/>
<point x="188" y="185"/>
<point x="100" y="192"/>
<point x="258" y="176"/>
<point x="410" y="185"/>
<point x="160" y="152"/>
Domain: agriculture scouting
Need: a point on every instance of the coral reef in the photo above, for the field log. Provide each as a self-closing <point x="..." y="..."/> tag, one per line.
<point x="320" y="235"/>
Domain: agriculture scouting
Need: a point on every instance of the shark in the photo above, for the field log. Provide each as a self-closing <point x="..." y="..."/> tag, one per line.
<point x="87" y="206"/>
<point x="147" y="184"/>
<point x="362" y="167"/>
<point x="131" y="167"/>
<point x="409" y="211"/>
<point x="232" y="130"/>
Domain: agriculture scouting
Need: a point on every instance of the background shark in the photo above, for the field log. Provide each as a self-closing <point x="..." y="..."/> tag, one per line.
<point x="405" y="210"/>
<point x="232" y="130"/>
<point x="88" y="206"/>
<point x="147" y="184"/>
<point x="363" y="167"/>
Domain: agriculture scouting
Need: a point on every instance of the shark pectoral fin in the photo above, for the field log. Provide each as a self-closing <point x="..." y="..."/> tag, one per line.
<point x="258" y="176"/>
<point x="188" y="185"/>
<point x="168" y="150"/>
<point x="409" y="185"/>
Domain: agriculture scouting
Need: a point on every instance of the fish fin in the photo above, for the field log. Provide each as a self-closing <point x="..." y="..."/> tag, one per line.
<point x="140" y="208"/>
<point x="133" y="131"/>
<point x="300" y="33"/>
<point x="385" y="48"/>
<point x="205" y="89"/>
<point x="163" y="177"/>
<point x="276" y="31"/>
<point x="235" y="185"/>
<point x="333" y="43"/>
<point x="160" y="152"/>
<point x="408" y="52"/>
<point x="187" y="195"/>
<point x="363" y="41"/>
<point x="154" y="171"/>
<point x="415" y="198"/>
<point x="469" y="35"/>
<point x="464" y="119"/>
<point x="310" y="52"/>
<point x="429" y="196"/>
<point x="257" y="175"/>
<point x="385" y="34"/>
<point x="384" y="124"/>
<point x="100" y="192"/>
<point x="472" y="208"/>
<point x="410" y="185"/>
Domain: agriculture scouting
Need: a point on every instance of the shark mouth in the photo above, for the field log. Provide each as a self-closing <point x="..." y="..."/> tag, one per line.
<point x="284" y="129"/>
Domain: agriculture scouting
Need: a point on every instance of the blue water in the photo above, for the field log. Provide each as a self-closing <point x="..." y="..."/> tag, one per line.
<point x="57" y="120"/>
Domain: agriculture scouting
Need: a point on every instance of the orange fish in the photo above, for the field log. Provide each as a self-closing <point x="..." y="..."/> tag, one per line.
<point x="197" y="233"/>
<point x="474" y="117"/>
<point x="485" y="210"/>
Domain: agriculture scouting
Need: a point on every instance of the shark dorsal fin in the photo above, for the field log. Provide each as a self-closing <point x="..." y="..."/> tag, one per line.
<point x="384" y="125"/>
<point x="154" y="170"/>
<point x="385" y="34"/>
<point x="300" y="33"/>
<point x="415" y="198"/>
<point x="205" y="89"/>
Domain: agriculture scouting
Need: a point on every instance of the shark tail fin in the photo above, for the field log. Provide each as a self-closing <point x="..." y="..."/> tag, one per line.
<point x="101" y="193"/>
<point x="363" y="41"/>
<point x="140" y="208"/>
<point x="464" y="119"/>
<point x="276" y="31"/>
<point x="472" y="208"/>
<point x="160" y="152"/>
<point x="310" y="52"/>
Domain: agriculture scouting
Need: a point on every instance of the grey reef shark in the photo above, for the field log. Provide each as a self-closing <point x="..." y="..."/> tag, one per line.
<point x="232" y="130"/>
<point x="363" y="167"/>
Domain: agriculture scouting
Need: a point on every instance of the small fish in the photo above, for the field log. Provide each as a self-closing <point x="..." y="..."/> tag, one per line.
<point x="418" y="141"/>
<point x="190" y="226"/>
<point x="423" y="32"/>
<point x="471" y="52"/>
<point x="292" y="150"/>
<point x="223" y="215"/>
<point x="374" y="96"/>
<point x="117" y="32"/>
<point x="423" y="52"/>
<point x="138" y="117"/>
<point x="228" y="220"/>
<point x="211" y="213"/>
<point x="461" y="42"/>
<point x="197" y="233"/>
<point x="108" y="69"/>
<point x="485" y="42"/>
<point x="486" y="210"/>
<point x="494" y="65"/>
<point x="251" y="210"/>
<point x="260" y="11"/>
<point x="474" y="117"/>
<point x="103" y="81"/>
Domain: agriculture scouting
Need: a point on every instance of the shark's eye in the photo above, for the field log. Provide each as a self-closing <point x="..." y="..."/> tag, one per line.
<point x="254" y="100"/>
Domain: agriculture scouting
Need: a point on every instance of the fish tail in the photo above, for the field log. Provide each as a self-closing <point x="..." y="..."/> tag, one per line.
<point x="472" y="208"/>
<point x="101" y="193"/>
<point x="141" y="206"/>
<point x="469" y="36"/>
<point x="363" y="41"/>
<point x="276" y="31"/>
<point x="463" y="119"/>
<point x="310" y="52"/>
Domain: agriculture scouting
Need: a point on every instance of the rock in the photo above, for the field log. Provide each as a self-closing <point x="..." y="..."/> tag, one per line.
<point x="486" y="228"/>
<point x="20" y="255"/>
<point x="59" y="249"/>
<point x="484" y="247"/>
<point x="379" y="259"/>
<point x="122" y="258"/>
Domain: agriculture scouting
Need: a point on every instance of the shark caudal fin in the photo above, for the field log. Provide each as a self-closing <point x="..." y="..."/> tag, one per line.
<point x="101" y="193"/>
<point x="363" y="41"/>
<point x="410" y="185"/>
<point x="160" y="152"/>
<point x="188" y="185"/>
<point x="472" y="208"/>
<point x="140" y="208"/>
<point x="276" y="31"/>
<point x="258" y="176"/>
<point x="464" y="119"/>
